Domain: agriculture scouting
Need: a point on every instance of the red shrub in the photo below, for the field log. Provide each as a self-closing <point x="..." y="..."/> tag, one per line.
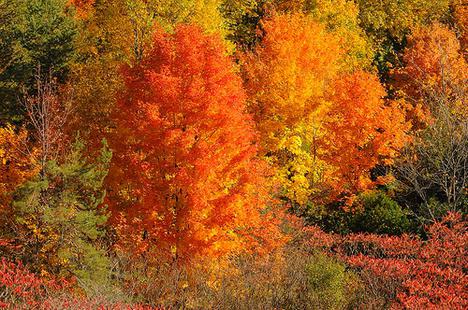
<point x="19" y="286"/>
<point x="21" y="289"/>
<point x="428" y="273"/>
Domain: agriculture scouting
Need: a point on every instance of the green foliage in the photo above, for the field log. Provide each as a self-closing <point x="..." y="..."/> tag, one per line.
<point x="62" y="218"/>
<point x="242" y="18"/>
<point x="380" y="214"/>
<point x="328" y="282"/>
<point x="331" y="218"/>
<point x="33" y="33"/>
<point x="374" y="212"/>
<point x="387" y="22"/>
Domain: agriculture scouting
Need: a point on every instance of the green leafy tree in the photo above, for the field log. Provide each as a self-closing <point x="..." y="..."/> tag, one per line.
<point x="33" y="33"/>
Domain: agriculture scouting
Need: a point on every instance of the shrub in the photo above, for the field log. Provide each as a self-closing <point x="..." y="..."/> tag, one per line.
<point x="291" y="278"/>
<point x="380" y="214"/>
<point x="328" y="280"/>
<point x="406" y="271"/>
<point x="19" y="286"/>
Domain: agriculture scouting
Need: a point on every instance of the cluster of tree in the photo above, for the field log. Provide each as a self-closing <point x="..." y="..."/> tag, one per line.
<point x="142" y="134"/>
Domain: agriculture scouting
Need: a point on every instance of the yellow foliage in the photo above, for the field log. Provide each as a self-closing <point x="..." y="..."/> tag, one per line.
<point x="322" y="136"/>
<point x="15" y="164"/>
<point x="287" y="79"/>
<point x="341" y="18"/>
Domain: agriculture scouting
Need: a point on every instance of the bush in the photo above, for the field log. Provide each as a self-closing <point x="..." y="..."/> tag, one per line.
<point x="406" y="272"/>
<point x="373" y="212"/>
<point x="328" y="282"/>
<point x="19" y="286"/>
<point x="380" y="214"/>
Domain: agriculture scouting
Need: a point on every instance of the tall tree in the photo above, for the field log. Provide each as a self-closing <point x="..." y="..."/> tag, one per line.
<point x="185" y="179"/>
<point x="36" y="34"/>
<point x="286" y="81"/>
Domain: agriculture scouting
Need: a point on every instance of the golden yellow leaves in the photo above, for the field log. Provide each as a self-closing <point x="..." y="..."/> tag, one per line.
<point x="15" y="164"/>
<point x="322" y="126"/>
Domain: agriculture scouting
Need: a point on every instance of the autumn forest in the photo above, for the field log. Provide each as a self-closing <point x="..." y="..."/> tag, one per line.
<point x="233" y="154"/>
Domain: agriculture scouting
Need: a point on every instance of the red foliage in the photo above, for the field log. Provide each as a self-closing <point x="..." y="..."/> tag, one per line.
<point x="430" y="273"/>
<point x="19" y="286"/>
<point x="21" y="289"/>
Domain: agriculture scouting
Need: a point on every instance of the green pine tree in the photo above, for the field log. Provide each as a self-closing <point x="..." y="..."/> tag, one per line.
<point x="61" y="216"/>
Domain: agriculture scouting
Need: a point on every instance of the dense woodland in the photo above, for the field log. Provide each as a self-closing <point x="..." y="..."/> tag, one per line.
<point x="233" y="154"/>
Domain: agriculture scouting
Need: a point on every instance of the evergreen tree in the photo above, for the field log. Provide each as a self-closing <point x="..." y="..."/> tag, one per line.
<point x="61" y="216"/>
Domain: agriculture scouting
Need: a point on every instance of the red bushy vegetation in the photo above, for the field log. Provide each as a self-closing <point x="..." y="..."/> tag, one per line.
<point x="413" y="272"/>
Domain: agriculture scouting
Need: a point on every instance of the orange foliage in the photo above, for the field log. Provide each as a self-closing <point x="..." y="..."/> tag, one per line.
<point x="15" y="165"/>
<point x="82" y="6"/>
<point x="461" y="17"/>
<point x="363" y="130"/>
<point x="323" y="128"/>
<point x="433" y="64"/>
<point x="287" y="77"/>
<point x="15" y="168"/>
<point x="184" y="178"/>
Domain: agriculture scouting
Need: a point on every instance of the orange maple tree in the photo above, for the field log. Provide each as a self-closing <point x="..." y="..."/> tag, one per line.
<point x="433" y="63"/>
<point x="435" y="70"/>
<point x="363" y="130"/>
<point x="185" y="179"/>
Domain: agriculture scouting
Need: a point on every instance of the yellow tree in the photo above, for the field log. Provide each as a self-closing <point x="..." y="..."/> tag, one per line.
<point x="301" y="93"/>
<point x="286" y="80"/>
<point x="341" y="17"/>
